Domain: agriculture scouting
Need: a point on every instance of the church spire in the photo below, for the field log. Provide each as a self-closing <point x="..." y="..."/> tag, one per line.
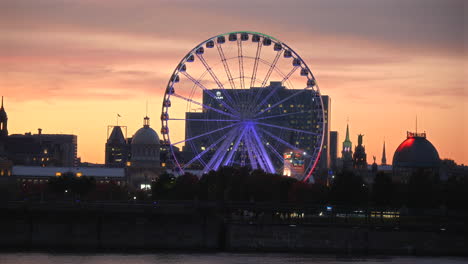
<point x="3" y="121"/>
<point x="384" y="157"/>
<point x="347" y="133"/>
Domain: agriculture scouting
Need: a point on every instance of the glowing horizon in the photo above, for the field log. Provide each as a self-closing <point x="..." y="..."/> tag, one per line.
<point x="70" y="67"/>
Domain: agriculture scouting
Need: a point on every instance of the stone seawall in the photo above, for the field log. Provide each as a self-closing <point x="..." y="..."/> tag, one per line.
<point x="195" y="228"/>
<point x="334" y="239"/>
<point x="109" y="229"/>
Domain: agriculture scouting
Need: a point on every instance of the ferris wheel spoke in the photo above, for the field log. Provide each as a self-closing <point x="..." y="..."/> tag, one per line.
<point x="241" y="63"/>
<point x="218" y="157"/>
<point x="215" y="78"/>
<point x="255" y="67"/>
<point x="280" y="140"/>
<point x="202" y="162"/>
<point x="226" y="65"/>
<point x="205" y="134"/>
<point x="210" y="93"/>
<point x="204" y="105"/>
<point x="250" y="151"/>
<point x="204" y="120"/>
<point x="279" y="102"/>
<point x="272" y="67"/>
<point x="277" y="154"/>
<point x="264" y="154"/>
<point x="200" y="155"/>
<point x="263" y="102"/>
<point x="294" y="69"/>
<point x="280" y="115"/>
<point x="288" y="128"/>
<point x="234" y="148"/>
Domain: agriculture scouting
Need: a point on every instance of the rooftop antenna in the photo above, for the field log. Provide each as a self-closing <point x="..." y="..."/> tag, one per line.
<point x="146" y="107"/>
<point x="416" y="124"/>
<point x="117" y="117"/>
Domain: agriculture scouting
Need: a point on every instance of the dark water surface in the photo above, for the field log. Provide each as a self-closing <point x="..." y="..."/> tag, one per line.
<point x="211" y="258"/>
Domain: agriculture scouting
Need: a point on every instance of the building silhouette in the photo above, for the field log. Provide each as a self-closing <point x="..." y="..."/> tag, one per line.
<point x="3" y="122"/>
<point x="144" y="164"/>
<point x="117" y="148"/>
<point x="324" y="163"/>
<point x="333" y="149"/>
<point x="347" y="151"/>
<point x="306" y="118"/>
<point x="360" y="156"/>
<point x="37" y="149"/>
<point x="384" y="156"/>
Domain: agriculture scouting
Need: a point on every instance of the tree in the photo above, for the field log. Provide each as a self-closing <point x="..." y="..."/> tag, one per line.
<point x="186" y="187"/>
<point x="162" y="188"/>
<point x="383" y="190"/>
<point x="423" y="190"/>
<point x="348" y="189"/>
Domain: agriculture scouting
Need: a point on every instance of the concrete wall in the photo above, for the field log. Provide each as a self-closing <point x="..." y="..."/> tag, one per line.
<point x="335" y="239"/>
<point x="205" y="229"/>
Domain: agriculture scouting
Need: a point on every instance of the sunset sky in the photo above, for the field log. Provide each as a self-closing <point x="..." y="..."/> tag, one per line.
<point x="71" y="66"/>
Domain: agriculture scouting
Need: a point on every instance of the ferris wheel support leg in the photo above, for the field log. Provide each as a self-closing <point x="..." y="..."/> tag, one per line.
<point x="220" y="152"/>
<point x="264" y="154"/>
<point x="234" y="149"/>
<point x="250" y="153"/>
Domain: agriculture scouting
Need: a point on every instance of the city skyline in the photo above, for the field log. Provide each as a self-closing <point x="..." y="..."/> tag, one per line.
<point x="69" y="73"/>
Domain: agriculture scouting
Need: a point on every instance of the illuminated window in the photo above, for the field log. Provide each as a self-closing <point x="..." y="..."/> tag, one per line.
<point x="58" y="174"/>
<point x="163" y="164"/>
<point x="79" y="174"/>
<point x="129" y="163"/>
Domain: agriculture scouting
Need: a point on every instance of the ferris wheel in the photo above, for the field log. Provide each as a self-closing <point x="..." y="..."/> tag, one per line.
<point x="243" y="99"/>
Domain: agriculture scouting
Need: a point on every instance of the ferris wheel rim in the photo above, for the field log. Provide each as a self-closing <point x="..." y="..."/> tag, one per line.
<point x="303" y="65"/>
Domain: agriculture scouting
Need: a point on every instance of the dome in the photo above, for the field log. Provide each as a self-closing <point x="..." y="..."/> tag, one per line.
<point x="145" y="135"/>
<point x="416" y="152"/>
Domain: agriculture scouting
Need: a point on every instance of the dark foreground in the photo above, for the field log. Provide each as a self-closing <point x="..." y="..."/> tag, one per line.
<point x="213" y="258"/>
<point x="246" y="227"/>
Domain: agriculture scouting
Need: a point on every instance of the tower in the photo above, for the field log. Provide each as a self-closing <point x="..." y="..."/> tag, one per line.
<point x="117" y="148"/>
<point x="347" y="152"/>
<point x="3" y="122"/>
<point x="384" y="158"/>
<point x="360" y="156"/>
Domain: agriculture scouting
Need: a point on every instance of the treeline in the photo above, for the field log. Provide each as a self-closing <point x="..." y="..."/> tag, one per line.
<point x="243" y="185"/>
<point x="347" y="188"/>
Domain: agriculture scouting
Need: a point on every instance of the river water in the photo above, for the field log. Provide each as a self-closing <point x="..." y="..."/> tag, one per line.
<point x="212" y="258"/>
